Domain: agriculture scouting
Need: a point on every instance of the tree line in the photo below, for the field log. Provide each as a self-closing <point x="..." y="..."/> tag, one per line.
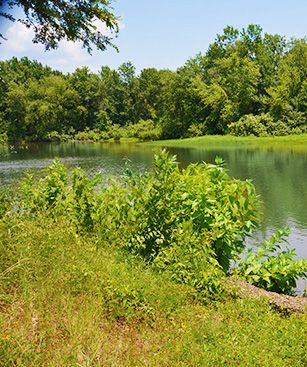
<point x="247" y="82"/>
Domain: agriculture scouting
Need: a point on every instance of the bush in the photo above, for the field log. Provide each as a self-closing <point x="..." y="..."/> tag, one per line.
<point x="249" y="125"/>
<point x="260" y="125"/>
<point x="221" y="208"/>
<point x="167" y="215"/>
<point x="146" y="130"/>
<point x="143" y="130"/>
<point x="54" y="136"/>
<point x="172" y="129"/>
<point x="3" y="138"/>
<point x="271" y="266"/>
<point x="115" y="132"/>
<point x="197" y="130"/>
<point x="190" y="260"/>
<point x="88" y="135"/>
<point x="296" y="121"/>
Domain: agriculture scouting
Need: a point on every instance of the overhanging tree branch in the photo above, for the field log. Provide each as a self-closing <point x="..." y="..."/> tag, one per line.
<point x="74" y="20"/>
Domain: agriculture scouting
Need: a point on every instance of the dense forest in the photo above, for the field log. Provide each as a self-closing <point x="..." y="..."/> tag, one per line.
<point x="247" y="83"/>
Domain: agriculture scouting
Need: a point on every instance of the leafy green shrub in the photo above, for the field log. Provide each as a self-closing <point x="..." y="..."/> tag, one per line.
<point x="190" y="260"/>
<point x="54" y="136"/>
<point x="144" y="130"/>
<point x="249" y="125"/>
<point x="3" y="138"/>
<point x="167" y="215"/>
<point x="190" y="223"/>
<point x="172" y="129"/>
<point x="45" y="194"/>
<point x="88" y="135"/>
<point x="296" y="121"/>
<point x="83" y="199"/>
<point x="104" y="135"/>
<point x="203" y="194"/>
<point x="259" y="125"/>
<point x="116" y="132"/>
<point x="272" y="267"/>
<point x="278" y="128"/>
<point x="197" y="130"/>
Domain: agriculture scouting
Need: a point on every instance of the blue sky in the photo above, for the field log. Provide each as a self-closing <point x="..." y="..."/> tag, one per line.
<point x="164" y="33"/>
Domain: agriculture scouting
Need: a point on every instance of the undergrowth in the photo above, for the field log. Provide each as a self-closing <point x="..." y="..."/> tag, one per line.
<point x="128" y="272"/>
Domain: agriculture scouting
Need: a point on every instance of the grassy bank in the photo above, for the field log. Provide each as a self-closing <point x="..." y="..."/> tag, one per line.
<point x="131" y="272"/>
<point x="63" y="302"/>
<point x="297" y="142"/>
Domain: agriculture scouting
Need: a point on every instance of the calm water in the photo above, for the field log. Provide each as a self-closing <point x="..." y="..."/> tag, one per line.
<point x="280" y="176"/>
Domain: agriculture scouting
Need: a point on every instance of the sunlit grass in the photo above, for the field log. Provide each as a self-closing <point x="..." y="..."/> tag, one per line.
<point x="297" y="142"/>
<point x="63" y="302"/>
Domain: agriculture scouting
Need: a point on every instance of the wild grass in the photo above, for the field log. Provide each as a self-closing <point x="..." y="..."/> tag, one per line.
<point x="63" y="302"/>
<point x="296" y="142"/>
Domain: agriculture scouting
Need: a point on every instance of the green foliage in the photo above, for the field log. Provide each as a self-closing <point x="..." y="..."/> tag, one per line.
<point x="55" y="136"/>
<point x="262" y="125"/>
<point x="88" y="135"/>
<point x="3" y="138"/>
<point x="54" y="21"/>
<point x="248" y="82"/>
<point x="190" y="259"/>
<point x="271" y="266"/>
<point x="196" y="130"/>
<point x="215" y="204"/>
<point x="84" y="201"/>
<point x="168" y="213"/>
<point x="65" y="277"/>
<point x="44" y="195"/>
<point x="144" y="130"/>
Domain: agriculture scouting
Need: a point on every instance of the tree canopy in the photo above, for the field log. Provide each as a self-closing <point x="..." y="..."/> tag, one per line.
<point x="91" y="22"/>
<point x="247" y="83"/>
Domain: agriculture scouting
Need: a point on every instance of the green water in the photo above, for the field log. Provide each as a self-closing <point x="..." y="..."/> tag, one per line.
<point x="280" y="176"/>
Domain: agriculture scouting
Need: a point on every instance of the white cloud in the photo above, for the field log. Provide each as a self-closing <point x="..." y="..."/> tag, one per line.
<point x="19" y="37"/>
<point x="67" y="57"/>
<point x="19" y="43"/>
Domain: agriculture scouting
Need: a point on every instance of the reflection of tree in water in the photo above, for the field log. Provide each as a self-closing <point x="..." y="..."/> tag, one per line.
<point x="279" y="176"/>
<point x="109" y="159"/>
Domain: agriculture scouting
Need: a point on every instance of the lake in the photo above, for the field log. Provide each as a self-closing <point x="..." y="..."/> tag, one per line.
<point x="280" y="175"/>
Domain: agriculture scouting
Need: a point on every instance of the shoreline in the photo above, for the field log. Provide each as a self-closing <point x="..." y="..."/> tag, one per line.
<point x="297" y="142"/>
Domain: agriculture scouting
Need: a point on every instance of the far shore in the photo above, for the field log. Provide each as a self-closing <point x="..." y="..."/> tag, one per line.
<point x="297" y="142"/>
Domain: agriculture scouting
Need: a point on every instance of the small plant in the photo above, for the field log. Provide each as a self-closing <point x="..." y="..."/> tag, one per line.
<point x="46" y="193"/>
<point x="84" y="200"/>
<point x="272" y="267"/>
<point x="6" y="197"/>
